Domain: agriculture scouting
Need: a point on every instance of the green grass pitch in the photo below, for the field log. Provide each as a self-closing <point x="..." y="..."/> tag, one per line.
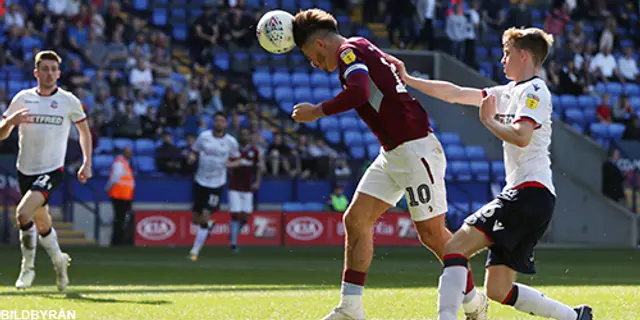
<point x="296" y="283"/>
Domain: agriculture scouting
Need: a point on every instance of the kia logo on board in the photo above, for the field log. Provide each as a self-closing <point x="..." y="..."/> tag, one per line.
<point x="304" y="228"/>
<point x="156" y="228"/>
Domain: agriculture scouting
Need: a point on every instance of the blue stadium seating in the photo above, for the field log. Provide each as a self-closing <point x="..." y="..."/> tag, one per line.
<point x="475" y="152"/>
<point x="353" y="138"/>
<point x="121" y="143"/>
<point x="300" y="79"/>
<point x="449" y="138"/>
<point x="357" y="152"/>
<point x="480" y="170"/>
<point x="461" y="170"/>
<point x="144" y="146"/>
<point x="455" y="152"/>
<point x="105" y="145"/>
<point x="313" y="190"/>
<point x="349" y="123"/>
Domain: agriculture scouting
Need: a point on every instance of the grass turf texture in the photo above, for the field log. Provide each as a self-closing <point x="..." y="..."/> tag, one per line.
<point x="296" y="283"/>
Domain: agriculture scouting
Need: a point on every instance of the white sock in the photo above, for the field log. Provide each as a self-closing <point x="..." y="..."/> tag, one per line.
<point x="532" y="301"/>
<point x="451" y="287"/>
<point x="201" y="238"/>
<point x="235" y="230"/>
<point x="50" y="244"/>
<point x="28" y="241"/>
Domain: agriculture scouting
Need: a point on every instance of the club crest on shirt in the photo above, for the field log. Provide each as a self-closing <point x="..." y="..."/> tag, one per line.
<point x="54" y="104"/>
<point x="532" y="101"/>
<point x="347" y="56"/>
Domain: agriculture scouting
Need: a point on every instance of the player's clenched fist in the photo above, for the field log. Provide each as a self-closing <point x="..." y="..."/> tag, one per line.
<point x="488" y="108"/>
<point x="400" y="67"/>
<point x="306" y="112"/>
<point x="18" y="117"/>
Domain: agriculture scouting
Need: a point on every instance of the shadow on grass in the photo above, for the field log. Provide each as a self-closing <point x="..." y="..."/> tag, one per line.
<point x="79" y="297"/>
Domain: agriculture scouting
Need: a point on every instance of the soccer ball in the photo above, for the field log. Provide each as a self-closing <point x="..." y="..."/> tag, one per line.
<point x="275" y="32"/>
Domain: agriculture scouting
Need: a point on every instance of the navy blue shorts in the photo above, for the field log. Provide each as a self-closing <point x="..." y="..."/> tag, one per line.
<point x="514" y="222"/>
<point x="206" y="198"/>
<point x="46" y="183"/>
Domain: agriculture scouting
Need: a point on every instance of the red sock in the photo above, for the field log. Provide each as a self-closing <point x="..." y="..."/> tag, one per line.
<point x="470" y="283"/>
<point x="354" y="277"/>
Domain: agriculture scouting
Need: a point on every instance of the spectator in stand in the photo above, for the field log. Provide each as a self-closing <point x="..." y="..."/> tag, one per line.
<point x="12" y="50"/>
<point x="127" y="124"/>
<point x="99" y="82"/>
<point x="115" y="81"/>
<point x="78" y="36"/>
<point x="401" y="15"/>
<point x="623" y="111"/>
<point x="473" y="30"/>
<point x="15" y="17"/>
<point x="628" y="66"/>
<point x="189" y="158"/>
<point x="204" y="34"/>
<point x="370" y="10"/>
<point x="520" y="15"/>
<point x="342" y="170"/>
<point x="95" y="49"/>
<point x="117" y="53"/>
<point x="97" y="21"/>
<point x="553" y="76"/>
<point x="170" y="111"/>
<point x="236" y="125"/>
<point x="141" y="44"/>
<point x="37" y="20"/>
<point x="241" y="27"/>
<point x="149" y="124"/>
<point x="168" y="155"/>
<point x="338" y="202"/>
<point x="427" y="13"/>
<point x="192" y="120"/>
<point x="141" y="77"/>
<point x="493" y="14"/>
<point x="569" y="80"/>
<point x="605" y="67"/>
<point x="280" y="157"/>
<point x="104" y="105"/>
<point x="612" y="178"/>
<point x="112" y="19"/>
<point x="557" y="20"/>
<point x="603" y="111"/>
<point x="632" y="132"/>
<point x="161" y="67"/>
<point x="577" y="37"/>
<point x="456" y="30"/>
<point x="84" y="16"/>
<point x="192" y="91"/>
<point x="140" y="105"/>
<point x="608" y="36"/>
<point x="74" y="78"/>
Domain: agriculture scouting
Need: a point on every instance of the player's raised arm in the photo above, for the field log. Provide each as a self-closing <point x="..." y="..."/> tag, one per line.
<point x="442" y="90"/>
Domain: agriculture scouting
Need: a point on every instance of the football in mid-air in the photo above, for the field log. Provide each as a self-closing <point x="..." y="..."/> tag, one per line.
<point x="275" y="31"/>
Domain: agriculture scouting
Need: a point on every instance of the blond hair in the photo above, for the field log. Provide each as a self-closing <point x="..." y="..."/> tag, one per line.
<point x="534" y="40"/>
<point x="47" y="55"/>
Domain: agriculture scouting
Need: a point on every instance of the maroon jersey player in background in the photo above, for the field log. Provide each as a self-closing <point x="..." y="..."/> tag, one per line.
<point x="242" y="184"/>
<point x="411" y="161"/>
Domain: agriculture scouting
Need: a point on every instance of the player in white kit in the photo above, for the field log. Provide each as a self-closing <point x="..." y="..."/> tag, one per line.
<point x="519" y="114"/>
<point x="44" y="115"/>
<point x="215" y="149"/>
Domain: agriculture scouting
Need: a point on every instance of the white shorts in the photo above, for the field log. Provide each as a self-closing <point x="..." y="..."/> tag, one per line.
<point x="240" y="202"/>
<point x="415" y="169"/>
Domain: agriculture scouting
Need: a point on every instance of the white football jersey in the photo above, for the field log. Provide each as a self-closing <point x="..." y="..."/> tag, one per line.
<point x="214" y="152"/>
<point x="43" y="138"/>
<point x="526" y="101"/>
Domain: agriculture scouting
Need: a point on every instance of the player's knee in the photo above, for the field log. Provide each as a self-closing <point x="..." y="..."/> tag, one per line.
<point x="496" y="291"/>
<point x="354" y="222"/>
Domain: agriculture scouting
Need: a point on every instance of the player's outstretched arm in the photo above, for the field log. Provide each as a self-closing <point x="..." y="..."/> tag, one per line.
<point x="518" y="133"/>
<point x="442" y="90"/>
<point x="86" y="145"/>
<point x="16" y="118"/>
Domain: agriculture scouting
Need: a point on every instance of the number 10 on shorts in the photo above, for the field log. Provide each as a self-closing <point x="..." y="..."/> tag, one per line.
<point x="418" y="196"/>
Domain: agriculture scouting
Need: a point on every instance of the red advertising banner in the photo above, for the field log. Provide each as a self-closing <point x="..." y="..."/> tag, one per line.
<point x="175" y="228"/>
<point x="327" y="229"/>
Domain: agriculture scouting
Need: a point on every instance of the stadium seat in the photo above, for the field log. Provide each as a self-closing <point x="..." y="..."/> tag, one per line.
<point x="357" y="152"/>
<point x="261" y="79"/>
<point x="299" y="79"/>
<point x="283" y="93"/>
<point x="568" y="101"/>
<point x="614" y="88"/>
<point x="159" y="17"/>
<point x="145" y="146"/>
<point x="287" y="106"/>
<point x="265" y="92"/>
<point x="222" y="61"/>
<point x="455" y="152"/>
<point x="321" y="94"/>
<point x="105" y="145"/>
<point x="373" y="150"/>
<point x="616" y="130"/>
<point x="332" y="136"/>
<point x="369" y="137"/>
<point x="497" y="170"/>
<point x="475" y="152"/>
<point x="325" y="5"/>
<point x="349" y="123"/>
<point x="281" y="79"/>
<point x="306" y="4"/>
<point x="480" y="170"/>
<point x="319" y="79"/>
<point x="353" y="138"/>
<point x="449" y="138"/>
<point x="481" y="53"/>
<point x="589" y="115"/>
<point x="635" y="103"/>
<point x="141" y="4"/>
<point x="289" y="5"/>
<point x="586" y="101"/>
<point x="575" y="116"/>
<point x="102" y="161"/>
<point x="145" y="164"/>
<point x="632" y="89"/>
<point x="121" y="143"/>
<point x="302" y="94"/>
<point x="461" y="170"/>
<point x="329" y="123"/>
<point x="599" y="130"/>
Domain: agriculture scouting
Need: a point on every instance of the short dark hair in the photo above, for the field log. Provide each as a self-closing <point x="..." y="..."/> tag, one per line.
<point x="306" y="23"/>
<point x="47" y="55"/>
<point x="219" y="114"/>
